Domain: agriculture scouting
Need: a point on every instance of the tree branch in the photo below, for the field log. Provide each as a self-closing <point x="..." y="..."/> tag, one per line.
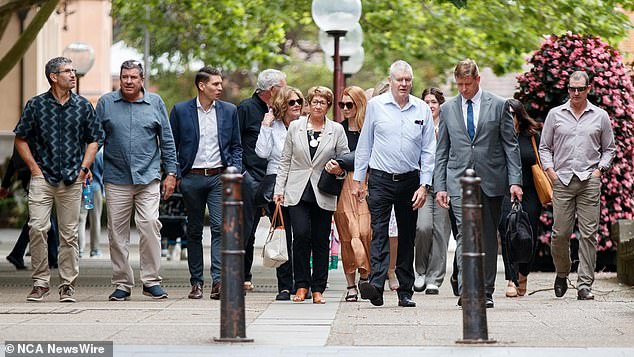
<point x="26" y="39"/>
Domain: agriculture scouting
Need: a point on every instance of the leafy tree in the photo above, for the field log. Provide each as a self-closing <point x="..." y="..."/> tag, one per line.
<point x="253" y="34"/>
<point x="545" y="87"/>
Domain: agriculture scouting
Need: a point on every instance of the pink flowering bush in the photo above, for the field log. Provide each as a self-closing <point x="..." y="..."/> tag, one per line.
<point x="545" y="87"/>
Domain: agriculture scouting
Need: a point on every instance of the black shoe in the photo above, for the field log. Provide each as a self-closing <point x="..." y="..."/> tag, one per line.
<point x="459" y="303"/>
<point x="283" y="295"/>
<point x="489" y="302"/>
<point x="454" y="285"/>
<point x="215" y="291"/>
<point x="585" y="294"/>
<point x="370" y="292"/>
<point x="406" y="302"/>
<point x="19" y="263"/>
<point x="561" y="286"/>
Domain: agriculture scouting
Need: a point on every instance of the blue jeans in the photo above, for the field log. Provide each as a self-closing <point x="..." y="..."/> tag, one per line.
<point x="200" y="191"/>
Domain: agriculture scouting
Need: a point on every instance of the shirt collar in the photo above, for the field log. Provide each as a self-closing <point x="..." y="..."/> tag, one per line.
<point x="200" y="106"/>
<point x="71" y="101"/>
<point x="589" y="106"/>
<point x="118" y="97"/>
<point x="476" y="98"/>
<point x="388" y="98"/>
<point x="260" y="102"/>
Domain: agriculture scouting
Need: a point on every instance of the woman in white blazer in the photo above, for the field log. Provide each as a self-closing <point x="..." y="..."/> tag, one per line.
<point x="287" y="107"/>
<point x="312" y="144"/>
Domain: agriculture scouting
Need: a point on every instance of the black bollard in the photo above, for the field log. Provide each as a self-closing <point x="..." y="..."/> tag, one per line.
<point x="232" y="320"/>
<point x="474" y="316"/>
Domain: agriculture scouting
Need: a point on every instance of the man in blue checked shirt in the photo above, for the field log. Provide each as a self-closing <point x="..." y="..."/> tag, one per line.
<point x="398" y="144"/>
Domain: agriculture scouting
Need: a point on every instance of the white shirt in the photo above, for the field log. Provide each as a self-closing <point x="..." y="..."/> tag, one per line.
<point x="270" y="144"/>
<point x="208" y="155"/>
<point x="477" y="99"/>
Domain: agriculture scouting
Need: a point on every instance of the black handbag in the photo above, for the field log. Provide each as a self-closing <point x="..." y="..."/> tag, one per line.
<point x="264" y="194"/>
<point x="346" y="161"/>
<point x="329" y="183"/>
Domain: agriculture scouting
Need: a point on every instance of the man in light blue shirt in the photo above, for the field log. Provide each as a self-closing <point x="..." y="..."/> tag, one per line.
<point x="138" y="138"/>
<point x="398" y="144"/>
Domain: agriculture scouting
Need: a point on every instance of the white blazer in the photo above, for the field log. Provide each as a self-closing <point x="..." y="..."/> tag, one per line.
<point x="296" y="168"/>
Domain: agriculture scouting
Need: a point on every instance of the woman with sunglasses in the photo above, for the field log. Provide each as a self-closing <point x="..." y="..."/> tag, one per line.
<point x="353" y="216"/>
<point x="286" y="106"/>
<point x="311" y="145"/>
<point x="526" y="129"/>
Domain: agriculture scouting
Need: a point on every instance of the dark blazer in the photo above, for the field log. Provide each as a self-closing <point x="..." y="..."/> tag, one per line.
<point x="494" y="153"/>
<point x="184" y="123"/>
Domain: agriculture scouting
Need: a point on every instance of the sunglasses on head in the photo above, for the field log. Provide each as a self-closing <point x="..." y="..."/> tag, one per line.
<point x="579" y="89"/>
<point x="292" y="102"/>
<point x="348" y="105"/>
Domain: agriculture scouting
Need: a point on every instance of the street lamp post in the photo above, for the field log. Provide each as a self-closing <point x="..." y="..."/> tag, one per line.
<point x="350" y="64"/>
<point x="83" y="57"/>
<point x="336" y="18"/>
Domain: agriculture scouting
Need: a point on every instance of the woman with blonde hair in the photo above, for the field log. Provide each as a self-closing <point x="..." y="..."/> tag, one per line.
<point x="311" y="145"/>
<point x="287" y="106"/>
<point x="352" y="216"/>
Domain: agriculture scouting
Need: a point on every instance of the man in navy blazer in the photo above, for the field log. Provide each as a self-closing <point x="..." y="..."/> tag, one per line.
<point x="207" y="138"/>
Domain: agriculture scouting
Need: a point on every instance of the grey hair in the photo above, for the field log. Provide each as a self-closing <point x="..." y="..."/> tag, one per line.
<point x="576" y="75"/>
<point x="53" y="66"/>
<point x="400" y="66"/>
<point x="268" y="79"/>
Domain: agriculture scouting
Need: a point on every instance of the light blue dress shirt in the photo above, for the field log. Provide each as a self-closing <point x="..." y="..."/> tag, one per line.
<point x="396" y="140"/>
<point x="138" y="137"/>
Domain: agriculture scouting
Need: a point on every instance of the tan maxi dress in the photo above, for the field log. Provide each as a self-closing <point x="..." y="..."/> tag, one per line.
<point x="352" y="219"/>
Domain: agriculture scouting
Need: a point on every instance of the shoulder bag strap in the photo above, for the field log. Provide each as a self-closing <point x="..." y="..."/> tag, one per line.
<point x="539" y="162"/>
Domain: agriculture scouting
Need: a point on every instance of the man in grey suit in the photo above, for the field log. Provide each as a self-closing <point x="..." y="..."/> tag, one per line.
<point x="476" y="131"/>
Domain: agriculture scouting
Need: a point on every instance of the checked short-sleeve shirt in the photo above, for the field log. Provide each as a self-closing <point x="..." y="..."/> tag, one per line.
<point x="58" y="134"/>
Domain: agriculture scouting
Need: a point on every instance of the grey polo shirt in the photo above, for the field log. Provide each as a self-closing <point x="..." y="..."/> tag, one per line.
<point x="574" y="146"/>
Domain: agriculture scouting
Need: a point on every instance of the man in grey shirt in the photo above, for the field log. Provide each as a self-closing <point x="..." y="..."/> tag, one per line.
<point x="576" y="148"/>
<point x="138" y="137"/>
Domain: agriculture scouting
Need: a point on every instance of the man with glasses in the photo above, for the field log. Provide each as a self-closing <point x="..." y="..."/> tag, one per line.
<point x="137" y="139"/>
<point x="476" y="132"/>
<point x="207" y="139"/>
<point x="397" y="143"/>
<point x="57" y="137"/>
<point x="576" y="149"/>
<point x="251" y="112"/>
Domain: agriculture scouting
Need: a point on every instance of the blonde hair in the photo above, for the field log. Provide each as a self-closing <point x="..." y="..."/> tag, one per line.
<point x="358" y="97"/>
<point x="381" y="87"/>
<point x="320" y="91"/>
<point x="280" y="101"/>
<point x="466" y="68"/>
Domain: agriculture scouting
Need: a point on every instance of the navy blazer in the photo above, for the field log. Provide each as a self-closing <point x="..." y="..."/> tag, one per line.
<point x="184" y="123"/>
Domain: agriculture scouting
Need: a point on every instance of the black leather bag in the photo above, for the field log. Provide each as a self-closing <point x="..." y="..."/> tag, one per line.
<point x="346" y="161"/>
<point x="519" y="235"/>
<point x="329" y="184"/>
<point x="264" y="194"/>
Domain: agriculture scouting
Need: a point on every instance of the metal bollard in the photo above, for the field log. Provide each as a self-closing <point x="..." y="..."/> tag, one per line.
<point x="474" y="316"/>
<point x="232" y="320"/>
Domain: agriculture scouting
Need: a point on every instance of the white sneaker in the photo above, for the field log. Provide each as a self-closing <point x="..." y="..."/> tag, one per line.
<point x="419" y="283"/>
<point x="431" y="289"/>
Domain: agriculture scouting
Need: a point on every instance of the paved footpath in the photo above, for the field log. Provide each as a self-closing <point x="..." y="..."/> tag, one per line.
<point x="536" y="324"/>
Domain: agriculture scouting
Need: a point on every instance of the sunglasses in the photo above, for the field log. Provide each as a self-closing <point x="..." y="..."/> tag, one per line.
<point x="348" y="105"/>
<point x="69" y="70"/>
<point x="292" y="102"/>
<point x="577" y="89"/>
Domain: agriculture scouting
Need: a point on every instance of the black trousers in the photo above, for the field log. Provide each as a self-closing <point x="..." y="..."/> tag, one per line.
<point x="251" y="217"/>
<point x="311" y="234"/>
<point x="285" y="271"/>
<point x="383" y="193"/>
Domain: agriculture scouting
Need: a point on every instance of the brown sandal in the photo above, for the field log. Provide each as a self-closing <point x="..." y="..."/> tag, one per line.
<point x="300" y="295"/>
<point x="318" y="298"/>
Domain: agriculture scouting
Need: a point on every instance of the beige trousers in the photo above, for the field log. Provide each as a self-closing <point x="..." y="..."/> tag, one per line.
<point x="67" y="200"/>
<point x="120" y="199"/>
<point x="580" y="199"/>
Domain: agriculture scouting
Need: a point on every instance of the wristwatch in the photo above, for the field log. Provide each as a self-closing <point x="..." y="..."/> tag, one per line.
<point x="171" y="174"/>
<point x="85" y="170"/>
<point x="603" y="169"/>
<point x="427" y="188"/>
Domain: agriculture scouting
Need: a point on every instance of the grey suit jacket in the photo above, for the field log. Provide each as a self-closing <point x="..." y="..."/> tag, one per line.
<point x="296" y="168"/>
<point x="494" y="153"/>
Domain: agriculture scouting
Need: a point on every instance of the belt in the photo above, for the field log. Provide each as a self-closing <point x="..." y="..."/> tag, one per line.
<point x="208" y="172"/>
<point x="394" y="177"/>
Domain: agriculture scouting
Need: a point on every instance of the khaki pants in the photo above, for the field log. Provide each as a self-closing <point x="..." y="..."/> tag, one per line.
<point x="580" y="198"/>
<point x="119" y="200"/>
<point x="67" y="200"/>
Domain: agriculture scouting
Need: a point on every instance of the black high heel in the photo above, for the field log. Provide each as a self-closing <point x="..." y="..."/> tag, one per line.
<point x="352" y="297"/>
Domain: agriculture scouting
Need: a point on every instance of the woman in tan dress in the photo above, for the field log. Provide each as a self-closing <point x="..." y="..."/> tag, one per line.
<point x="352" y="216"/>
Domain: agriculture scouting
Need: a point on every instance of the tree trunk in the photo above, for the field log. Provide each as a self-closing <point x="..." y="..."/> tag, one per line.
<point x="23" y="43"/>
